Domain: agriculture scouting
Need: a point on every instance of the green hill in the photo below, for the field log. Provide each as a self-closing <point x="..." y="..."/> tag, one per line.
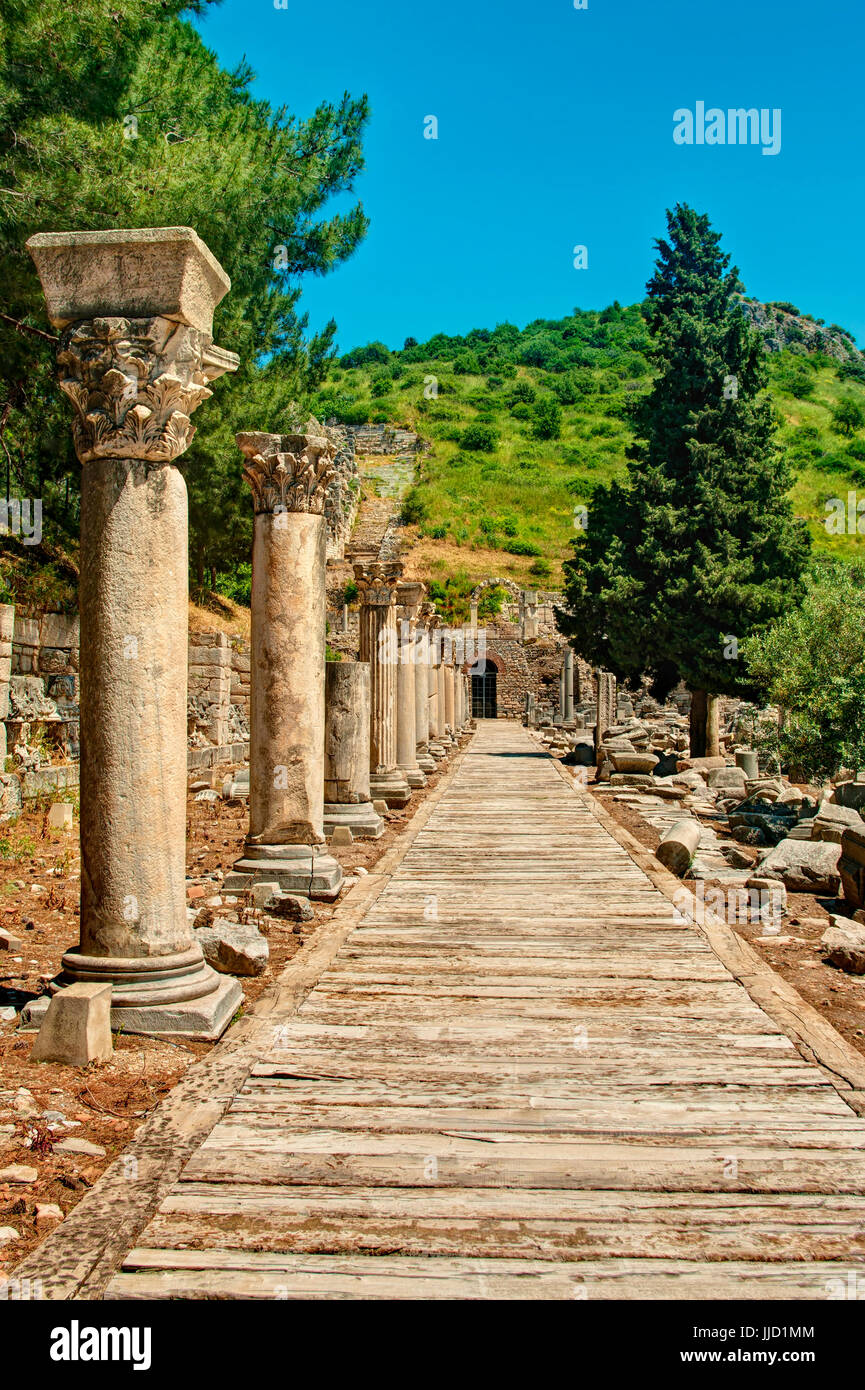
<point x="524" y="423"/>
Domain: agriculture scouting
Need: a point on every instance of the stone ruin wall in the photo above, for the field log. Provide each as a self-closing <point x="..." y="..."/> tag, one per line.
<point x="376" y="439"/>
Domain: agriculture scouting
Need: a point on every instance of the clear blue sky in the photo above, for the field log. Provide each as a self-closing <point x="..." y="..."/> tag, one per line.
<point x="555" y="128"/>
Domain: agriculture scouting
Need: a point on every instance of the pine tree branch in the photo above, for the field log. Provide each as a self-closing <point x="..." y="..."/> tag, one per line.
<point x="26" y="328"/>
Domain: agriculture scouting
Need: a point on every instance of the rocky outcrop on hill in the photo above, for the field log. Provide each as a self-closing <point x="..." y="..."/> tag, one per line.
<point x="780" y="327"/>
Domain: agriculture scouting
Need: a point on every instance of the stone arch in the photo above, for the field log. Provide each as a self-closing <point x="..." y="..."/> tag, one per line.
<point x="495" y="584"/>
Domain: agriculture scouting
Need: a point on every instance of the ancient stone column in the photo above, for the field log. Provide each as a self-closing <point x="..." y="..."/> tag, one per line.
<point x="377" y="585"/>
<point x="569" y="685"/>
<point x="450" y="686"/>
<point x="467" y="699"/>
<point x="425" y="760"/>
<point x="346" y="751"/>
<point x="409" y="595"/>
<point x="288" y="475"/>
<point x="7" y="629"/>
<point x="436" y="731"/>
<point x="135" y="310"/>
<point x="606" y="700"/>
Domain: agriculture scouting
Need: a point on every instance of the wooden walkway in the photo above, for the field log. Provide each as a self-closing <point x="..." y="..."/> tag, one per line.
<point x="519" y="1078"/>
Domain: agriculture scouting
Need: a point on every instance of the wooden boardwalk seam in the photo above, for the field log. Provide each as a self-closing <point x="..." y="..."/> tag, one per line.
<point x="518" y="1077"/>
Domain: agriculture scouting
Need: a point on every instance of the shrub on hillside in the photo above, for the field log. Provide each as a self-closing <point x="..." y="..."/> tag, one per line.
<point x="522" y="390"/>
<point x="414" y="509"/>
<point x="479" y="438"/>
<point x="847" y="416"/>
<point x="547" y="419"/>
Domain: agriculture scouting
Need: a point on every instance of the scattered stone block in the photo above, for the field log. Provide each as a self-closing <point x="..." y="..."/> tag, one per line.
<point x="293" y="908"/>
<point x="8" y="942"/>
<point x="18" y="1173"/>
<point x="832" y="820"/>
<point x="33" y="1013"/>
<point x="380" y="806"/>
<point x="844" y="943"/>
<point x="804" y="866"/>
<point x="701" y="764"/>
<point x="60" y="815"/>
<point x="260" y="892"/>
<point x="79" y="1146"/>
<point x="851" y="794"/>
<point x="8" y="1233"/>
<point x="233" y="948"/>
<point x="723" y="777"/>
<point x="678" y="846"/>
<point x="77" y="1026"/>
<point x="852" y="865"/>
<point x="48" y="1214"/>
<point x="341" y="835"/>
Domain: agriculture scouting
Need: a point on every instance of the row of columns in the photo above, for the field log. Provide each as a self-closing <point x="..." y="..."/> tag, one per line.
<point x="136" y="356"/>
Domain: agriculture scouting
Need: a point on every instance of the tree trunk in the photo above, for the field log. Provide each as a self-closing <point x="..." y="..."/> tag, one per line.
<point x="699" y="703"/>
<point x="199" y="570"/>
<point x="704" y="724"/>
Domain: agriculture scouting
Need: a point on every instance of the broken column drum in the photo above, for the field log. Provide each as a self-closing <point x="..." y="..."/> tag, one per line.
<point x="134" y="310"/>
<point x="346" y="751"/>
<point x="288" y="475"/>
<point x="377" y="584"/>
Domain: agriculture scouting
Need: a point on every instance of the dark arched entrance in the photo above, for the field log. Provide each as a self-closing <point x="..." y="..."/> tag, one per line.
<point x="484" y="705"/>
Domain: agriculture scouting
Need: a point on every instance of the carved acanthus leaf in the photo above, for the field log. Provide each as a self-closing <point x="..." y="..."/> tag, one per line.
<point x="133" y="384"/>
<point x="377" y="582"/>
<point x="287" y="472"/>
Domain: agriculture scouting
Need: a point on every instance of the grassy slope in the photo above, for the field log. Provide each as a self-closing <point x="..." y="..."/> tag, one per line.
<point x="479" y="506"/>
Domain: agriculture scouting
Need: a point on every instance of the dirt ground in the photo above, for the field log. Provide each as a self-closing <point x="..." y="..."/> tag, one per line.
<point x="44" y="1105"/>
<point x="795" y="952"/>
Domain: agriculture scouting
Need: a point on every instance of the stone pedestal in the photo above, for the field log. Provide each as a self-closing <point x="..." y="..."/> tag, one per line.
<point x="377" y="583"/>
<point x="288" y="475"/>
<point x="135" y="356"/>
<point x="346" y="751"/>
<point x="408" y="599"/>
<point x="7" y="628"/>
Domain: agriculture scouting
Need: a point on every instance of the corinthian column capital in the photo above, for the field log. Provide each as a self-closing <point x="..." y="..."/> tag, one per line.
<point x="377" y="583"/>
<point x="134" y="383"/>
<point x="287" y="472"/>
<point x="134" y="309"/>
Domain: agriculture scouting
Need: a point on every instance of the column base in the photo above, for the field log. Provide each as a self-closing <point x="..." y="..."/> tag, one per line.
<point x="362" y="819"/>
<point x="307" y="870"/>
<point x="438" y="751"/>
<point x="391" y="787"/>
<point x="426" y="762"/>
<point x="414" y="776"/>
<point x="159" y="995"/>
<point x="204" y="1019"/>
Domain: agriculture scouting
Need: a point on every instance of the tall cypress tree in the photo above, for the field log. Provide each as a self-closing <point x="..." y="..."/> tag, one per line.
<point x="697" y="547"/>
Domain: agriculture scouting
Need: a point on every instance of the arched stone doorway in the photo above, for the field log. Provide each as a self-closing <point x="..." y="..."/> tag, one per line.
<point x="484" y="690"/>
